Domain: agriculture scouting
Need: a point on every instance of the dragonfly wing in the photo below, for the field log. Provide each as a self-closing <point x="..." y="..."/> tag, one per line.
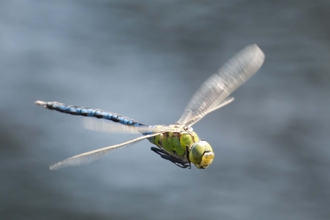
<point x="220" y="105"/>
<point x="88" y="157"/>
<point x="220" y="85"/>
<point x="211" y="109"/>
<point x="216" y="107"/>
<point x="108" y="126"/>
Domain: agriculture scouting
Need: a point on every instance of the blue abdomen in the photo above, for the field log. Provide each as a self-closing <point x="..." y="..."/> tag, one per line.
<point x="89" y="112"/>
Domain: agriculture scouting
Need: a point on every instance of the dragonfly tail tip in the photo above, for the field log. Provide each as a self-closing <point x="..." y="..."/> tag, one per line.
<point x="38" y="102"/>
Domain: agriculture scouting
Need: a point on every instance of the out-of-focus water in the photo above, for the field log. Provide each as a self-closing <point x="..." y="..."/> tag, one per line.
<point x="145" y="59"/>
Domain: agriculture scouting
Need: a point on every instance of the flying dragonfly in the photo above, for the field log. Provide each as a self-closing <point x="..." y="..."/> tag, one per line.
<point x="177" y="142"/>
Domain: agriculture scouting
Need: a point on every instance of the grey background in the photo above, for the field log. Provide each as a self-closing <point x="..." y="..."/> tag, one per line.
<point x="145" y="59"/>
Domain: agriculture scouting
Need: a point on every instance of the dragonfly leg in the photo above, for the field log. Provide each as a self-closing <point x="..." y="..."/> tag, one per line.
<point x="165" y="155"/>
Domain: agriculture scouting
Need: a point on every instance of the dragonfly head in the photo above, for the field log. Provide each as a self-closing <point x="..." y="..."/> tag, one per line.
<point x="201" y="154"/>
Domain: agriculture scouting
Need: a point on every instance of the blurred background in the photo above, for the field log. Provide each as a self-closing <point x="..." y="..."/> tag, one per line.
<point x="145" y="59"/>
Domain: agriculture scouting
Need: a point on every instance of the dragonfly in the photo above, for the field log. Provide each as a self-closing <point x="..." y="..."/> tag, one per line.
<point x="176" y="142"/>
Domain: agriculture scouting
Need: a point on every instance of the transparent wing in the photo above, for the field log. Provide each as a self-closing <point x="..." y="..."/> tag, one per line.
<point x="220" y="85"/>
<point x="88" y="157"/>
<point x="211" y="109"/>
<point x="220" y="105"/>
<point x="108" y="126"/>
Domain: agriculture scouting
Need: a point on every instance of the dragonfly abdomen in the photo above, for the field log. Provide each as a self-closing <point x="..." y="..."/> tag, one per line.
<point x="89" y="112"/>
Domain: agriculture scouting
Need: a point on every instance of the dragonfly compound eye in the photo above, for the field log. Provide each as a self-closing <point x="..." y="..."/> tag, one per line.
<point x="201" y="154"/>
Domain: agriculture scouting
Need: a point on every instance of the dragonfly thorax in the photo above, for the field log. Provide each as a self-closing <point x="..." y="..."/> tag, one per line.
<point x="186" y="146"/>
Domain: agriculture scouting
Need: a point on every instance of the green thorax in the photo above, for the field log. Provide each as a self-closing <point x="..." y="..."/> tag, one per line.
<point x="175" y="142"/>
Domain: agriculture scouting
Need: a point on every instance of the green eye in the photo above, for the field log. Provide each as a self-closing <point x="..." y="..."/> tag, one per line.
<point x="201" y="154"/>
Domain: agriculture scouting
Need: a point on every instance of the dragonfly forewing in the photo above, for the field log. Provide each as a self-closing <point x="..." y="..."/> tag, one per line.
<point x="220" y="85"/>
<point x="211" y="109"/>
